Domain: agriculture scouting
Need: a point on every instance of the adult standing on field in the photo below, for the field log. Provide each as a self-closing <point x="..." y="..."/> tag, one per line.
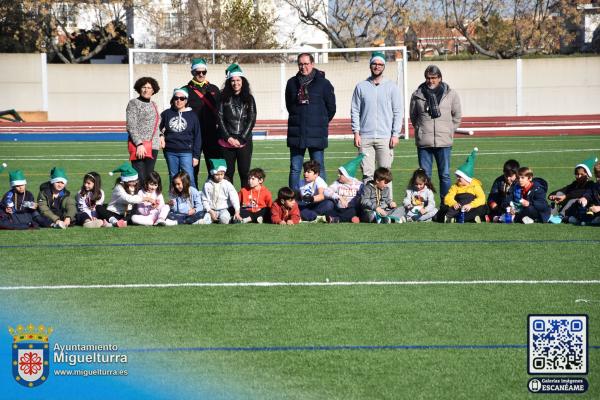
<point x="310" y="102"/>
<point x="435" y="114"/>
<point x="237" y="116"/>
<point x="204" y="99"/>
<point x="376" y="112"/>
<point x="142" y="119"/>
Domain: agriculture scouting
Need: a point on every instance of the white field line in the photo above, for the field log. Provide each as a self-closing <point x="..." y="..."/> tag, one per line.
<point x="82" y="158"/>
<point x="279" y="284"/>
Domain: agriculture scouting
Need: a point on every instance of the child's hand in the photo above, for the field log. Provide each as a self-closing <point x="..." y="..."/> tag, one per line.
<point x="583" y="201"/>
<point x="343" y="202"/>
<point x="422" y="211"/>
<point x="213" y="215"/>
<point x="67" y="221"/>
<point x="381" y="211"/>
<point x="595" y="209"/>
<point x="456" y="206"/>
<point x="290" y="222"/>
<point x="237" y="216"/>
<point x="467" y="207"/>
<point x="525" y="203"/>
<point x="192" y="211"/>
<point x="9" y="210"/>
<point x="393" y="204"/>
<point x="148" y="199"/>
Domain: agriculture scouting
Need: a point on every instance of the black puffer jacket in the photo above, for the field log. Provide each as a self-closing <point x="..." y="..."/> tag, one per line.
<point x="236" y="118"/>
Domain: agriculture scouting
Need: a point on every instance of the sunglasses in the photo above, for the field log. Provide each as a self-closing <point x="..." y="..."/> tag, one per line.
<point x="179" y="98"/>
<point x="199" y="72"/>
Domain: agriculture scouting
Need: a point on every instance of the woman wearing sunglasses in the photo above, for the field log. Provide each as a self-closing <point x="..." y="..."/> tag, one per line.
<point x="237" y="116"/>
<point x="204" y="99"/>
<point x="181" y="130"/>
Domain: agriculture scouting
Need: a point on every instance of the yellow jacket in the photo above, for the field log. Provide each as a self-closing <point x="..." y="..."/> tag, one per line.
<point x="475" y="188"/>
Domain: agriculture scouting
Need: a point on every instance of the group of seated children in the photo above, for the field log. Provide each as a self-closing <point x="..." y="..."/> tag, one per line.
<point x="515" y="196"/>
<point x="518" y="196"/>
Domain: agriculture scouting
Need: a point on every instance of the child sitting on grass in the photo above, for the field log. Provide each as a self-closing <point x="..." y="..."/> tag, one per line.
<point x="123" y="197"/>
<point x="346" y="192"/>
<point x="18" y="209"/>
<point x="311" y="192"/>
<point x="57" y="207"/>
<point x="465" y="201"/>
<point x="564" y="200"/>
<point x="90" y="195"/>
<point x="284" y="210"/>
<point x="376" y="200"/>
<point x="255" y="198"/>
<point x="531" y="206"/>
<point x="589" y="203"/>
<point x="503" y="186"/>
<point x="219" y="197"/>
<point x="419" y="202"/>
<point x="155" y="211"/>
<point x="186" y="202"/>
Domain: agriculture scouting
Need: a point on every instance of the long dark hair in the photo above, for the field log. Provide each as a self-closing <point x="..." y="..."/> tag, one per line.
<point x="185" y="181"/>
<point x="245" y="94"/>
<point x="153" y="177"/>
<point x="96" y="192"/>
<point x="421" y="175"/>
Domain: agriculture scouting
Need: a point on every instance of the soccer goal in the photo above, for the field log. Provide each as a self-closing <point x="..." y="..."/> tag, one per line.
<point x="268" y="71"/>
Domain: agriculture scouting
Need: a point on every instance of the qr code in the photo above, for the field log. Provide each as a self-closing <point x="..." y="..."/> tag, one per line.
<point x="557" y="344"/>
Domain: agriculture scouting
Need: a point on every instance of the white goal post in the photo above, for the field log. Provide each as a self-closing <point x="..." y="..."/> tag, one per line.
<point x="271" y="102"/>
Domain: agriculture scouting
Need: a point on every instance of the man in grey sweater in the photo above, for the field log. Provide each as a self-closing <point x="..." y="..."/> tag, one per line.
<point x="377" y="111"/>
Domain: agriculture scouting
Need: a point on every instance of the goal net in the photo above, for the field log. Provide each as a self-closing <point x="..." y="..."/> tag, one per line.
<point x="267" y="72"/>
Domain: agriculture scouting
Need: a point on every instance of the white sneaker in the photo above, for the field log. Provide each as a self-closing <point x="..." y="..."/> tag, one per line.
<point x="170" y="222"/>
<point x="59" y="225"/>
<point x="246" y="220"/>
<point x="321" y="218"/>
<point x="259" y="220"/>
<point x="527" y="220"/>
<point x="160" y="222"/>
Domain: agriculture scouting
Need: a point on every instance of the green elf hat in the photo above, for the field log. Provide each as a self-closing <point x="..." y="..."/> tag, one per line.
<point x="58" y="175"/>
<point x="349" y="169"/>
<point x="588" y="165"/>
<point x="3" y="167"/>
<point x="182" y="91"/>
<point x="233" y="70"/>
<point x="377" y="56"/>
<point x="128" y="173"/>
<point x="17" y="178"/>
<point x="199" y="63"/>
<point x="216" y="165"/>
<point x="466" y="170"/>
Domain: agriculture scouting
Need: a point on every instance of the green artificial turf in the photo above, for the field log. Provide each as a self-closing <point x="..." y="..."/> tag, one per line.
<point x="493" y="314"/>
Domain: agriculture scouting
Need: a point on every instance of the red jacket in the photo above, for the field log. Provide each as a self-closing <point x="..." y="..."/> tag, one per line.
<point x="280" y="213"/>
<point x="255" y="199"/>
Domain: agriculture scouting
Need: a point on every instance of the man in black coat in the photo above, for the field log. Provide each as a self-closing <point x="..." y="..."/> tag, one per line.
<point x="310" y="101"/>
<point x="204" y="99"/>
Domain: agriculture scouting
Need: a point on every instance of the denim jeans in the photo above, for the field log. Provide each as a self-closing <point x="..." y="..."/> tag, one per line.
<point x="180" y="162"/>
<point x="442" y="159"/>
<point x="297" y="159"/>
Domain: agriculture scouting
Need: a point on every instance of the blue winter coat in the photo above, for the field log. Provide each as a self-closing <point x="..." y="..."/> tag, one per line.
<point x="537" y="198"/>
<point x="308" y="123"/>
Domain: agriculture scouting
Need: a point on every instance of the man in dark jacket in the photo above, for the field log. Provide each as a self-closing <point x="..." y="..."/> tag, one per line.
<point x="204" y="99"/>
<point x="310" y="101"/>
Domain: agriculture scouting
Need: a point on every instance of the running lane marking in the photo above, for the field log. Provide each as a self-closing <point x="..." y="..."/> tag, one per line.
<point x="292" y="284"/>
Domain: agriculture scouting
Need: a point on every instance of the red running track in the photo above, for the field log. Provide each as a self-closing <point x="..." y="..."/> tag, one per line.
<point x="523" y="126"/>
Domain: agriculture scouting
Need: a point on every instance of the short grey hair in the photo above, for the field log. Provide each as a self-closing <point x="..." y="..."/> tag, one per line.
<point x="433" y="70"/>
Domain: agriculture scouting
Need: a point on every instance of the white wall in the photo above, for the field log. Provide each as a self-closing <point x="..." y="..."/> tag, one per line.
<point x="551" y="86"/>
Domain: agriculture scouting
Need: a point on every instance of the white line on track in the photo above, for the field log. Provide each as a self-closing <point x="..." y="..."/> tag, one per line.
<point x="278" y="284"/>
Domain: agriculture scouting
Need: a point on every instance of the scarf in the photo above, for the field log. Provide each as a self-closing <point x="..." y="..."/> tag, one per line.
<point x="434" y="97"/>
<point x="302" y="95"/>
